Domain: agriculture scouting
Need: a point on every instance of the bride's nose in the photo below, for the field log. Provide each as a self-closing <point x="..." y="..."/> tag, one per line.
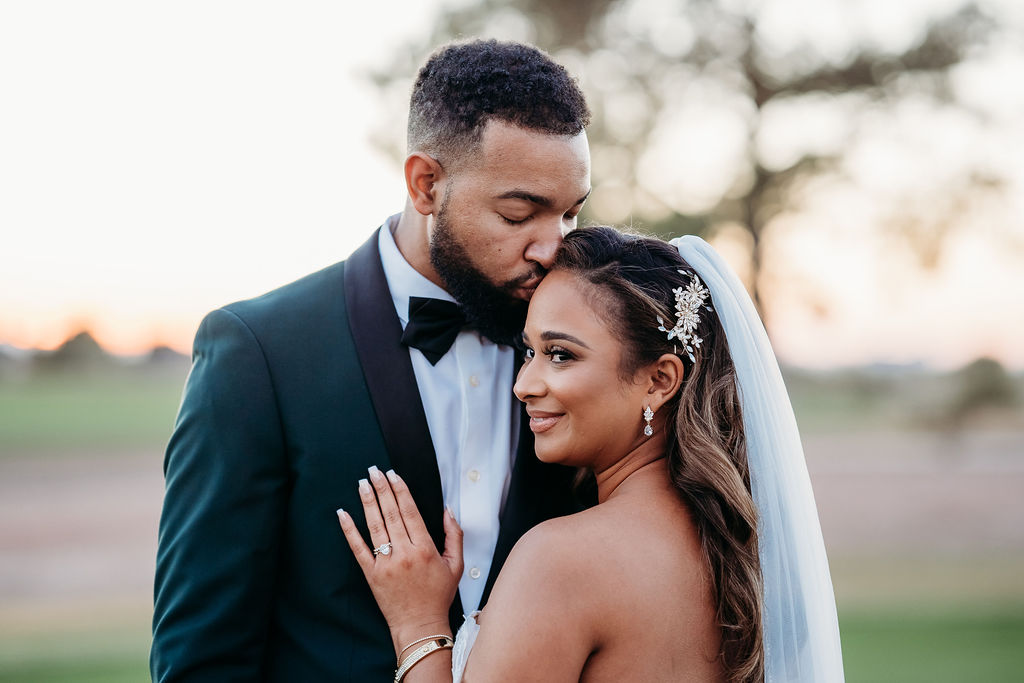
<point x="528" y="383"/>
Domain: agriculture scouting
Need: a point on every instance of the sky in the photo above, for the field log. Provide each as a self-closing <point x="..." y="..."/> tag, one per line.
<point x="158" y="160"/>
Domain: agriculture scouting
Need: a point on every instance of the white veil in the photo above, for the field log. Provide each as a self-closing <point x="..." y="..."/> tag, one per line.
<point x="801" y="630"/>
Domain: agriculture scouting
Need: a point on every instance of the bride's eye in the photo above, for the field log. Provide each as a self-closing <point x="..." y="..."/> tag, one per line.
<point x="558" y="355"/>
<point x="528" y="353"/>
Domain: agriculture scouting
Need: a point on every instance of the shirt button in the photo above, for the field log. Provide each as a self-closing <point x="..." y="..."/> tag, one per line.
<point x="474" y="573"/>
<point x="473" y="475"/>
<point x="474" y="381"/>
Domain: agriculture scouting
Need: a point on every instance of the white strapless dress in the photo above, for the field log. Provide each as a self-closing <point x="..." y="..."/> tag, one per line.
<point x="464" y="640"/>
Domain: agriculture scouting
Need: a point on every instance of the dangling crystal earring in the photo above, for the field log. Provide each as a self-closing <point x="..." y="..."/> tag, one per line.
<point x="648" y="416"/>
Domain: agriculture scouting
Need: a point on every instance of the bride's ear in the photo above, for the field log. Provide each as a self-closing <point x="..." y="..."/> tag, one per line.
<point x="666" y="376"/>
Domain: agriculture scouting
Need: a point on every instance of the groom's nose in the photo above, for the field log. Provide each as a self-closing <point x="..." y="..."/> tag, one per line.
<point x="546" y="240"/>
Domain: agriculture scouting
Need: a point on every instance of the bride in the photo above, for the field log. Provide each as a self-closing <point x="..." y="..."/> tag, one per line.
<point x="647" y="366"/>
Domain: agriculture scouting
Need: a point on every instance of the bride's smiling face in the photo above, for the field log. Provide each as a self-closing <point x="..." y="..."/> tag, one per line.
<point x="582" y="411"/>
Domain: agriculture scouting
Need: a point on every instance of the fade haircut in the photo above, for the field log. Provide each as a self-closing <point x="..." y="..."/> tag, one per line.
<point x="464" y="85"/>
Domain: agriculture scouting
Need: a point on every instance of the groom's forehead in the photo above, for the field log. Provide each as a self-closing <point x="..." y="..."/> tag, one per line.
<point x="500" y="138"/>
<point x="534" y="164"/>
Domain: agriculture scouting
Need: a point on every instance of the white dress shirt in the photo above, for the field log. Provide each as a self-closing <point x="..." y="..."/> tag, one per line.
<point x="472" y="416"/>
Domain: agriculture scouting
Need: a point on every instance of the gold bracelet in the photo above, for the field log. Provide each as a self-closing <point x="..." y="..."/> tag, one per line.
<point x="417" y="642"/>
<point x="442" y="643"/>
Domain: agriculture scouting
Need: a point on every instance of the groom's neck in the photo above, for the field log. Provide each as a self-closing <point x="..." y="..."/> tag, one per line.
<point x="413" y="240"/>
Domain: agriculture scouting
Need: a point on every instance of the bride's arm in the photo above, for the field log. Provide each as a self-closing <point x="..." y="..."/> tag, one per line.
<point x="540" y="622"/>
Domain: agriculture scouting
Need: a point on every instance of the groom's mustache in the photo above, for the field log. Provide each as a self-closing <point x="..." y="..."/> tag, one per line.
<point x="531" y="279"/>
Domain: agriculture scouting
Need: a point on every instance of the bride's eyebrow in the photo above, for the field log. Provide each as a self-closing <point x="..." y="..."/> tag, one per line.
<point x="562" y="336"/>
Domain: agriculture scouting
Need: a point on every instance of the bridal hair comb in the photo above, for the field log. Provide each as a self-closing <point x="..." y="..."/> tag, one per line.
<point x="689" y="301"/>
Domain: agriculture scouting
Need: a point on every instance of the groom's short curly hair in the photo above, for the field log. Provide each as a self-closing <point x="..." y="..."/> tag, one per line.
<point x="462" y="86"/>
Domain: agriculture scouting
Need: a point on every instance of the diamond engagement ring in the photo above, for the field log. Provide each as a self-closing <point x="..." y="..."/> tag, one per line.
<point x="382" y="549"/>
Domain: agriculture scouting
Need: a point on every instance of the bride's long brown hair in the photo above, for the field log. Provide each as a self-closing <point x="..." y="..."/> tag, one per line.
<point x="634" y="278"/>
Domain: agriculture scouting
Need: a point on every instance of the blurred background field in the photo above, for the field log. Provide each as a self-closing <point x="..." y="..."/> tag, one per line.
<point x="857" y="161"/>
<point x="918" y="477"/>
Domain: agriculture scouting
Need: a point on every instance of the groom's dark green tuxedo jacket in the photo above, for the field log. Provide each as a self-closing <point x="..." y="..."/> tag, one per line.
<point x="291" y="397"/>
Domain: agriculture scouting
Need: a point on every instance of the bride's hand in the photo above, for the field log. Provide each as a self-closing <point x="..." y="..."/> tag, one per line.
<point x="413" y="584"/>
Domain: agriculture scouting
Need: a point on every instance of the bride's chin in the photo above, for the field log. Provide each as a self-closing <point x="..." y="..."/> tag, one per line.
<point x="548" y="455"/>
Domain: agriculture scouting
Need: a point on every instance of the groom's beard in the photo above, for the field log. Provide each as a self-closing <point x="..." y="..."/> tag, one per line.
<point x="491" y="310"/>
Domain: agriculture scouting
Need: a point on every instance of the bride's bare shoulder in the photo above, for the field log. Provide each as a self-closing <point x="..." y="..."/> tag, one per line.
<point x="563" y="545"/>
<point x="551" y="554"/>
<point x="570" y="560"/>
<point x="574" y="584"/>
<point x="550" y="568"/>
<point x="628" y="552"/>
<point x="582" y="544"/>
<point x="538" y="623"/>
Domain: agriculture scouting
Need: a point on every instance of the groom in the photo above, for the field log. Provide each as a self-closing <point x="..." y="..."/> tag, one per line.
<point x="371" y="363"/>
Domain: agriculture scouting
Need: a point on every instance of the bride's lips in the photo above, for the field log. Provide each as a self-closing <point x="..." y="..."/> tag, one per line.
<point x="541" y="421"/>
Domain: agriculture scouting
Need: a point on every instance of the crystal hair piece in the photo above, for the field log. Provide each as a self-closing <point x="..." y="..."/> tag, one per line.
<point x="689" y="301"/>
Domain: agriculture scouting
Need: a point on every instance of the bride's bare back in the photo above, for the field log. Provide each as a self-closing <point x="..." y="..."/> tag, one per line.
<point x="616" y="593"/>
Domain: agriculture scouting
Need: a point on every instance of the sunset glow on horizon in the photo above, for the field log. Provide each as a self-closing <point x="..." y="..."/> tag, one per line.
<point x="162" y="161"/>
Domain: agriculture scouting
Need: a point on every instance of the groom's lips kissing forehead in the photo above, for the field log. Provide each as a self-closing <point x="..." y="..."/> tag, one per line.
<point x="525" y="289"/>
<point x="541" y="421"/>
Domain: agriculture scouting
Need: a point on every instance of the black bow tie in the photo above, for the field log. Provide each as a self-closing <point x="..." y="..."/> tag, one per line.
<point x="433" y="326"/>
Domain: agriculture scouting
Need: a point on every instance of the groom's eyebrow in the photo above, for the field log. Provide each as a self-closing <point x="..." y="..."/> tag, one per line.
<point x="562" y="336"/>
<point x="546" y="202"/>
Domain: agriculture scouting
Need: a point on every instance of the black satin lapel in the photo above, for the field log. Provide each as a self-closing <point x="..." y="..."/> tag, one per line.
<point x="377" y="333"/>
<point x="396" y="398"/>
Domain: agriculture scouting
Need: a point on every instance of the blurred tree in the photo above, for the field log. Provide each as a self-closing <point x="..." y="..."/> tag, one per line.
<point x="80" y="351"/>
<point x="984" y="385"/>
<point x="713" y="116"/>
<point x="164" y="359"/>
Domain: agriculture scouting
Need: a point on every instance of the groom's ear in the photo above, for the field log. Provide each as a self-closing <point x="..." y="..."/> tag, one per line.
<point x="666" y="376"/>
<point x="422" y="175"/>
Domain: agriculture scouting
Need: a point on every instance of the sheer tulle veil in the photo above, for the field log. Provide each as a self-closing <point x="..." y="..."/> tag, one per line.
<point x="801" y="630"/>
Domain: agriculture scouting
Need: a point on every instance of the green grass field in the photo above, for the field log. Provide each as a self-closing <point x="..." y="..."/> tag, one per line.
<point x="88" y="411"/>
<point x="105" y="652"/>
<point x="941" y="633"/>
<point x="954" y="647"/>
<point x="130" y="407"/>
<point x="124" y="406"/>
<point x="89" y="668"/>
<point x="939" y="647"/>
